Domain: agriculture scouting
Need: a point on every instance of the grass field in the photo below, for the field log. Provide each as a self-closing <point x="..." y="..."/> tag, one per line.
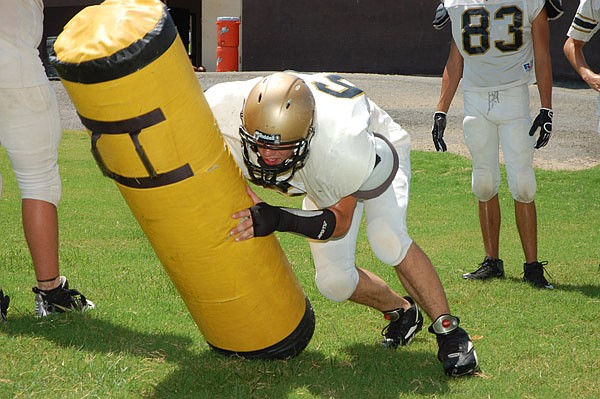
<point x="142" y="342"/>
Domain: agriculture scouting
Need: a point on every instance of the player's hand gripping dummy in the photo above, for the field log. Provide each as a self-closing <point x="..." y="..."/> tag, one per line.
<point x="543" y="122"/>
<point x="263" y="219"/>
<point x="131" y="81"/>
<point x="437" y="131"/>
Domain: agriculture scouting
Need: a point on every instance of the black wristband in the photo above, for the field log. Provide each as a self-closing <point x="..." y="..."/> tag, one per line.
<point x="318" y="224"/>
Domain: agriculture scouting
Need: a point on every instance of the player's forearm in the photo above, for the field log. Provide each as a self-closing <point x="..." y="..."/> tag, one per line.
<point x="544" y="85"/>
<point x="573" y="50"/>
<point x="450" y="79"/>
<point x="543" y="74"/>
<point x="543" y="62"/>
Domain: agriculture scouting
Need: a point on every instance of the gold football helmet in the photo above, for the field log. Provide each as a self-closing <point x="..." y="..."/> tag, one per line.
<point x="277" y="114"/>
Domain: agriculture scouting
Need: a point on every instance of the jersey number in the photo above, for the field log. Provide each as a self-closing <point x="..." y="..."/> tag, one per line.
<point x="345" y="89"/>
<point x="476" y="24"/>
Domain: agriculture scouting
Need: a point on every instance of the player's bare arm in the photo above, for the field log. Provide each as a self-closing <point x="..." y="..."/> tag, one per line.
<point x="573" y="50"/>
<point x="450" y="79"/>
<point x="543" y="73"/>
<point x="543" y="62"/>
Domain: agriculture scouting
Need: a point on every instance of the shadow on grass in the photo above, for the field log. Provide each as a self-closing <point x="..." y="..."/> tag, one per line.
<point x="593" y="291"/>
<point x="361" y="370"/>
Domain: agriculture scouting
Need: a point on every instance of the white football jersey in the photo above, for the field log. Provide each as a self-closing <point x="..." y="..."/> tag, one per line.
<point x="586" y="21"/>
<point x="342" y="150"/>
<point x="21" y="27"/>
<point x="494" y="38"/>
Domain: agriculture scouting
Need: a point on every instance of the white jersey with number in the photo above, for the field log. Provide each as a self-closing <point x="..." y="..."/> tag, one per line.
<point x="494" y="38"/>
<point x="21" y="27"/>
<point x="586" y="21"/>
<point x="342" y="150"/>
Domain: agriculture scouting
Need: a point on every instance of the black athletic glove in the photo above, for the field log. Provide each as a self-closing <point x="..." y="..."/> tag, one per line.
<point x="544" y="122"/>
<point x="265" y="219"/>
<point x="4" y="301"/>
<point x="439" y="125"/>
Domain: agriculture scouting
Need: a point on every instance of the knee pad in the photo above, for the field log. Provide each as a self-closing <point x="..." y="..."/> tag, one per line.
<point x="523" y="186"/>
<point x="50" y="191"/>
<point x="335" y="284"/>
<point x="484" y="184"/>
<point x="389" y="242"/>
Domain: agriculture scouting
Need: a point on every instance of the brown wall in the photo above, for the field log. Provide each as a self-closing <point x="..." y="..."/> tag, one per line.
<point x="372" y="36"/>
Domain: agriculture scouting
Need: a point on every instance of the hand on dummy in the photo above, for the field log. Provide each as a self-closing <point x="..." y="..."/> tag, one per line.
<point x="245" y="228"/>
<point x="544" y="122"/>
<point x="437" y="132"/>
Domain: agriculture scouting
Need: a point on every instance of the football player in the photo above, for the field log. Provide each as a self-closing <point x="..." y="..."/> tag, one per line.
<point x="500" y="47"/>
<point x="554" y="10"/>
<point x="585" y="24"/>
<point x="321" y="136"/>
<point x="30" y="132"/>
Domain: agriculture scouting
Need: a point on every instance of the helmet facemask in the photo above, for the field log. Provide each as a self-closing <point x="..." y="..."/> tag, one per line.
<point x="272" y="176"/>
<point x="277" y="115"/>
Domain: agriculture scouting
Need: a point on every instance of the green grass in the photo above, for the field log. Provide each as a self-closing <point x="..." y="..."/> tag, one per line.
<point x="142" y="342"/>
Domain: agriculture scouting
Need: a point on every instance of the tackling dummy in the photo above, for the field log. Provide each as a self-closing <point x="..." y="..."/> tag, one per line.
<point x="152" y="132"/>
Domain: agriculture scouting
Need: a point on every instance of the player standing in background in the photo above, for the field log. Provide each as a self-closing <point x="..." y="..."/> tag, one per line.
<point x="499" y="47"/>
<point x="554" y="9"/>
<point x="585" y="24"/>
<point x="321" y="136"/>
<point x="30" y="132"/>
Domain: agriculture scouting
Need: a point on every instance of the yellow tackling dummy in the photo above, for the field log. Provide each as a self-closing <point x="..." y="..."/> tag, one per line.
<point x="152" y="131"/>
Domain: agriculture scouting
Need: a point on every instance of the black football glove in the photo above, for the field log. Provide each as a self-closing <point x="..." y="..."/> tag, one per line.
<point x="544" y="122"/>
<point x="437" y="132"/>
<point x="265" y="219"/>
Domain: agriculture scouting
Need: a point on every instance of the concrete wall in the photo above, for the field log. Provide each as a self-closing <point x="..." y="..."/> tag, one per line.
<point x="369" y="36"/>
<point x="211" y="10"/>
<point x="375" y="36"/>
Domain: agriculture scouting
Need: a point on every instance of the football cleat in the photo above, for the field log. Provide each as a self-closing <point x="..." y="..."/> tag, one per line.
<point x="489" y="268"/>
<point x="456" y="351"/>
<point x="59" y="300"/>
<point x="4" y="302"/>
<point x="404" y="325"/>
<point x="533" y="273"/>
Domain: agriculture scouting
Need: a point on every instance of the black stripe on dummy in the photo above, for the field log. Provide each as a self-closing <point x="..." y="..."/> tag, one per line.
<point x="133" y="127"/>
<point x="288" y="347"/>
<point x="124" y="62"/>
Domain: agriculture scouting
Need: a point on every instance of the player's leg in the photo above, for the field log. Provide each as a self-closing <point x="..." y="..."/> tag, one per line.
<point x="32" y="146"/>
<point x="337" y="276"/>
<point x="518" y="150"/>
<point x="386" y="228"/>
<point x="481" y="138"/>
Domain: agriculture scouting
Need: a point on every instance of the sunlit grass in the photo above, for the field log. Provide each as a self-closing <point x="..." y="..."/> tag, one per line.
<point x="142" y="342"/>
